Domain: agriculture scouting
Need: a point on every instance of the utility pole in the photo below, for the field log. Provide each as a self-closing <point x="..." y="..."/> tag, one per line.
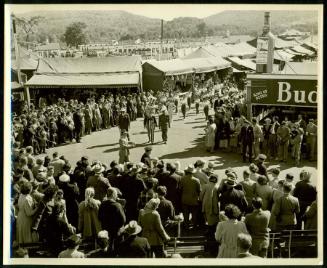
<point x="161" y="38"/>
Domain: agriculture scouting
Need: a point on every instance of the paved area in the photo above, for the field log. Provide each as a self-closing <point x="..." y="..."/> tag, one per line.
<point x="185" y="144"/>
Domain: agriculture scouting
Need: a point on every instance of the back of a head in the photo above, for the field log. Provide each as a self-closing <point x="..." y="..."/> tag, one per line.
<point x="112" y="193"/>
<point x="257" y="202"/>
<point x="287" y="187"/>
<point x="244" y="241"/>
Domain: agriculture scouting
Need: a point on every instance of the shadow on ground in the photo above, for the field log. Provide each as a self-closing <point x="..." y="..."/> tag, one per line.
<point x="102" y="145"/>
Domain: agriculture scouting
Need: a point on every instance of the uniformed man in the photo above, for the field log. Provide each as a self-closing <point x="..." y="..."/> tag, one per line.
<point x="164" y="124"/>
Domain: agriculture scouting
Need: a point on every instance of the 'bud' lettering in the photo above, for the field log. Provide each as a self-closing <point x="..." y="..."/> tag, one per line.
<point x="282" y="91"/>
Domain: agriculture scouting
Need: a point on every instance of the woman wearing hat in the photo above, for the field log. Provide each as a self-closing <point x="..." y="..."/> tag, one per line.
<point x="152" y="228"/>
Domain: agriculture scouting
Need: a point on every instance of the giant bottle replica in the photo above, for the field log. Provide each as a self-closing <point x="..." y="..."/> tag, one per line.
<point x="265" y="48"/>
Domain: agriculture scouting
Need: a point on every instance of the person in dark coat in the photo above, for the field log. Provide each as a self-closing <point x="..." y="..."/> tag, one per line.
<point x="124" y="120"/>
<point x="57" y="230"/>
<point x="146" y="157"/>
<point x="164" y="124"/>
<point x="133" y="246"/>
<point x="262" y="169"/>
<point x="183" y="108"/>
<point x="231" y="195"/>
<point x="171" y="181"/>
<point x="306" y="193"/>
<point x="247" y="139"/>
<point x="78" y="122"/>
<point x="71" y="195"/>
<point x="103" y="243"/>
<point x="98" y="182"/>
<point x="112" y="217"/>
<point x="166" y="209"/>
<point x="131" y="187"/>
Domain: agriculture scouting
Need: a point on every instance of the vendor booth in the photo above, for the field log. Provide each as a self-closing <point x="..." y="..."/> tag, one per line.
<point x="84" y="77"/>
<point x="284" y="95"/>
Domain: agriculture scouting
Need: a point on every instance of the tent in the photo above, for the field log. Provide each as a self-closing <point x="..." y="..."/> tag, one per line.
<point x="88" y="72"/>
<point x="283" y="55"/>
<point x="303" y="68"/>
<point x="242" y="63"/>
<point x="303" y="50"/>
<point x="154" y="72"/>
<point x="244" y="49"/>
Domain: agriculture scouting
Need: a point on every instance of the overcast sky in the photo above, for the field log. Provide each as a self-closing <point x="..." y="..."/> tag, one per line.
<point x="163" y="11"/>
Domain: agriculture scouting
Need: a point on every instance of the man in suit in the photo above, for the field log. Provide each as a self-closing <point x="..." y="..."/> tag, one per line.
<point x="146" y="157"/>
<point x="171" y="181"/>
<point x="247" y="139"/>
<point x="306" y="193"/>
<point x="164" y="124"/>
<point x="257" y="225"/>
<point x="190" y="188"/>
<point x="230" y="195"/>
<point x="133" y="246"/>
<point x="112" y="216"/>
<point x="311" y="134"/>
<point x="285" y="209"/>
<point x="78" y="123"/>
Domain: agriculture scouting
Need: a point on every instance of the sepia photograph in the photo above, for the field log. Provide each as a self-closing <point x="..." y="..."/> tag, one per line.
<point x="156" y="134"/>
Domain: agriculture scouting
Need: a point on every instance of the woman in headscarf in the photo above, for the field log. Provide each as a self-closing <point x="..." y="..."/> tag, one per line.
<point x="152" y="229"/>
<point x="88" y="223"/>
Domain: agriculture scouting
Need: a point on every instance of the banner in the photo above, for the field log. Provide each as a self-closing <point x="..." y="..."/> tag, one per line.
<point x="288" y="92"/>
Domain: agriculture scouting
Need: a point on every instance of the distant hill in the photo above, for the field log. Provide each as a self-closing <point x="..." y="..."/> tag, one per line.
<point x="104" y="26"/>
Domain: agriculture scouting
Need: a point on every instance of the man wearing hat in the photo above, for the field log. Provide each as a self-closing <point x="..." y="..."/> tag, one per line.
<point x="146" y="157"/>
<point x="124" y="120"/>
<point x="273" y="143"/>
<point x="231" y="195"/>
<point x="73" y="243"/>
<point x="262" y="169"/>
<point x="103" y="243"/>
<point x="164" y="124"/>
<point x="98" y="182"/>
<point x="133" y="246"/>
<point x="199" y="173"/>
<point x="266" y="130"/>
<point x="190" y="188"/>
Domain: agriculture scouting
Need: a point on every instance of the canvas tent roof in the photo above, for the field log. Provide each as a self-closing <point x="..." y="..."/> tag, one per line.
<point x="90" y="65"/>
<point x="184" y="66"/>
<point x="304" y="68"/>
<point x="247" y="64"/>
<point x="73" y="80"/>
<point x="283" y="55"/>
<point x="303" y="50"/>
<point x="244" y="48"/>
<point x="81" y="72"/>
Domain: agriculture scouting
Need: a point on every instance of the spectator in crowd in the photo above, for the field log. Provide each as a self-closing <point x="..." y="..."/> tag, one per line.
<point x="296" y="141"/>
<point x="311" y="133"/>
<point x="257" y="224"/>
<point x="88" y="222"/>
<point x="57" y="164"/>
<point x="273" y="183"/>
<point x="262" y="169"/>
<point x="73" y="243"/>
<point x="124" y="146"/>
<point x="134" y="246"/>
<point x="190" y="188"/>
<point x="311" y="217"/>
<point x="227" y="232"/>
<point x="146" y="157"/>
<point x="306" y="193"/>
<point x="257" y="137"/>
<point x="248" y="188"/>
<point x="164" y="124"/>
<point x="115" y="221"/>
<point x="152" y="229"/>
<point x="98" y="182"/>
<point x="210" y="135"/>
<point x="247" y="139"/>
<point x="285" y="209"/>
<point x="264" y="191"/>
<point x="165" y="209"/>
<point x="103" y="242"/>
<point x="26" y="210"/>
<point x="273" y="141"/>
<point x="253" y="172"/>
<point x="199" y="173"/>
<point x="147" y="194"/>
<point x="244" y="244"/>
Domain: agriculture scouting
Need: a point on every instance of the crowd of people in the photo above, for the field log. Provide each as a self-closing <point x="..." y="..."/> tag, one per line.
<point x="129" y="210"/>
<point x="133" y="209"/>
